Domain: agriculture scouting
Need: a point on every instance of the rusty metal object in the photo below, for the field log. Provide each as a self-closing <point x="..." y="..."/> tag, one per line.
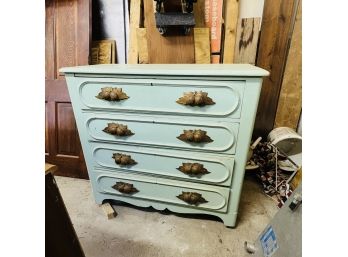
<point x="196" y="136"/>
<point x="118" y="129"/>
<point x="195" y="99"/>
<point x="192" y="198"/>
<point x="125" y="188"/>
<point x="112" y="94"/>
<point x="123" y="159"/>
<point x="193" y="169"/>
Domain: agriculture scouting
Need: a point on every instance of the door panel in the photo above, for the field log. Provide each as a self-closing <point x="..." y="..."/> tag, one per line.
<point x="68" y="36"/>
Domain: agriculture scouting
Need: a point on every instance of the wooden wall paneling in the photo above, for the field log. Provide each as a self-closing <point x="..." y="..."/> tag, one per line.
<point x="172" y="48"/>
<point x="246" y="40"/>
<point x="272" y="53"/>
<point x="134" y="23"/>
<point x="202" y="45"/>
<point x="142" y="46"/>
<point x="290" y="99"/>
<point x="231" y="12"/>
<point x="68" y="36"/>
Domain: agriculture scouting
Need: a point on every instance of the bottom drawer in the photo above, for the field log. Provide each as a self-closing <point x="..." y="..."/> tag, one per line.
<point x="163" y="190"/>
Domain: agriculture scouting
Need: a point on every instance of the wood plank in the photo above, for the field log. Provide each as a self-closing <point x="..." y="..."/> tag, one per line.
<point x="272" y="53"/>
<point x="246" y="40"/>
<point x="142" y="46"/>
<point x="202" y="45"/>
<point x="173" y="48"/>
<point x="213" y="19"/>
<point x="231" y="13"/>
<point x="50" y="168"/>
<point x="215" y="58"/>
<point x="198" y="12"/>
<point x="109" y="211"/>
<point x="290" y="99"/>
<point x="133" y="25"/>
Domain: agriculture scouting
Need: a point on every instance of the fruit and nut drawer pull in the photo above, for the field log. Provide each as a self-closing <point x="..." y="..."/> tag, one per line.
<point x="112" y="94"/>
<point x="123" y="159"/>
<point x="196" y="136"/>
<point x="125" y="188"/>
<point x="193" y="169"/>
<point x="118" y="129"/>
<point x="195" y="99"/>
<point x="192" y="198"/>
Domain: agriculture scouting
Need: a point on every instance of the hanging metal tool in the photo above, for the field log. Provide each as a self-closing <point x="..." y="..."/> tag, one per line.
<point x="184" y="20"/>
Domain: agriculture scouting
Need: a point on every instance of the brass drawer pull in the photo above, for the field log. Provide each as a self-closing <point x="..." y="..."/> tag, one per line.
<point x="197" y="136"/>
<point x="123" y="160"/>
<point x="195" y="99"/>
<point x="118" y="130"/>
<point x="193" y="169"/>
<point x="192" y="198"/>
<point x="112" y="94"/>
<point x="125" y="188"/>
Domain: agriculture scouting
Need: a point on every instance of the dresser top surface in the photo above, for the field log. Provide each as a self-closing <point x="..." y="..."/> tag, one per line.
<point x="235" y="70"/>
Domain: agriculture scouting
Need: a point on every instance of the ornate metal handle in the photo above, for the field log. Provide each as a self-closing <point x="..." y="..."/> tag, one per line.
<point x="195" y="99"/>
<point x="112" y="94"/>
<point x="192" y="198"/>
<point x="118" y="130"/>
<point x="193" y="169"/>
<point x="125" y="188"/>
<point x="196" y="136"/>
<point x="123" y="160"/>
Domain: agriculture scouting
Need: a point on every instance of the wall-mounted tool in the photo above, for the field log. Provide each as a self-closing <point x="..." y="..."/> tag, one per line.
<point x="185" y="19"/>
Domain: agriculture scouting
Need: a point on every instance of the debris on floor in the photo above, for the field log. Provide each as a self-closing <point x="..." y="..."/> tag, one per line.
<point x="275" y="181"/>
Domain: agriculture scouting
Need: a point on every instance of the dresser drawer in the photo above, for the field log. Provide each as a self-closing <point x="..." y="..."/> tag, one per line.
<point x="164" y="133"/>
<point x="162" y="190"/>
<point x="161" y="96"/>
<point x="213" y="169"/>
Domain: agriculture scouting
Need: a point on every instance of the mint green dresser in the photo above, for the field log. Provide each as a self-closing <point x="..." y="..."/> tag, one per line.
<point x="168" y="136"/>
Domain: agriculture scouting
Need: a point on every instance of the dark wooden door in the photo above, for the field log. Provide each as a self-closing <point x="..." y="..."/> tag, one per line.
<point x="68" y="36"/>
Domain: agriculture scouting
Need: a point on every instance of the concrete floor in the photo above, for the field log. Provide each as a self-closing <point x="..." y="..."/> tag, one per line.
<point x="142" y="232"/>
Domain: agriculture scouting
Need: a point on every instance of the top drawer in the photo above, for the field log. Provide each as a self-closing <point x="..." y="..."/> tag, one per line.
<point x="160" y="96"/>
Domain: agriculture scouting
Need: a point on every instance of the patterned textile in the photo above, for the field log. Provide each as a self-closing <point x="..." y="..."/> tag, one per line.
<point x="273" y="179"/>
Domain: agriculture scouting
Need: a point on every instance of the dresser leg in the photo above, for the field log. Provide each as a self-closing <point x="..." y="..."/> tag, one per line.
<point x="229" y="220"/>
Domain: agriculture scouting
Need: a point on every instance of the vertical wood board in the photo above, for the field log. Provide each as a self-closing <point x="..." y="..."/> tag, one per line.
<point x="133" y="25"/>
<point x="246" y="41"/>
<point x="272" y="54"/>
<point x="290" y="99"/>
<point x="202" y="45"/>
<point x="142" y="46"/>
<point x="231" y="13"/>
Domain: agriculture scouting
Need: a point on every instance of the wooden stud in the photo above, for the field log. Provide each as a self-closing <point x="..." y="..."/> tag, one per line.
<point x="290" y="99"/>
<point x="133" y="25"/>
<point x="109" y="211"/>
<point x="230" y="20"/>
<point x="246" y="41"/>
<point x="272" y="52"/>
<point x="142" y="46"/>
<point x="198" y="12"/>
<point x="202" y="45"/>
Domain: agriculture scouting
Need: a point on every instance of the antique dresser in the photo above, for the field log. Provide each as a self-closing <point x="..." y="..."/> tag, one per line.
<point x="168" y="136"/>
